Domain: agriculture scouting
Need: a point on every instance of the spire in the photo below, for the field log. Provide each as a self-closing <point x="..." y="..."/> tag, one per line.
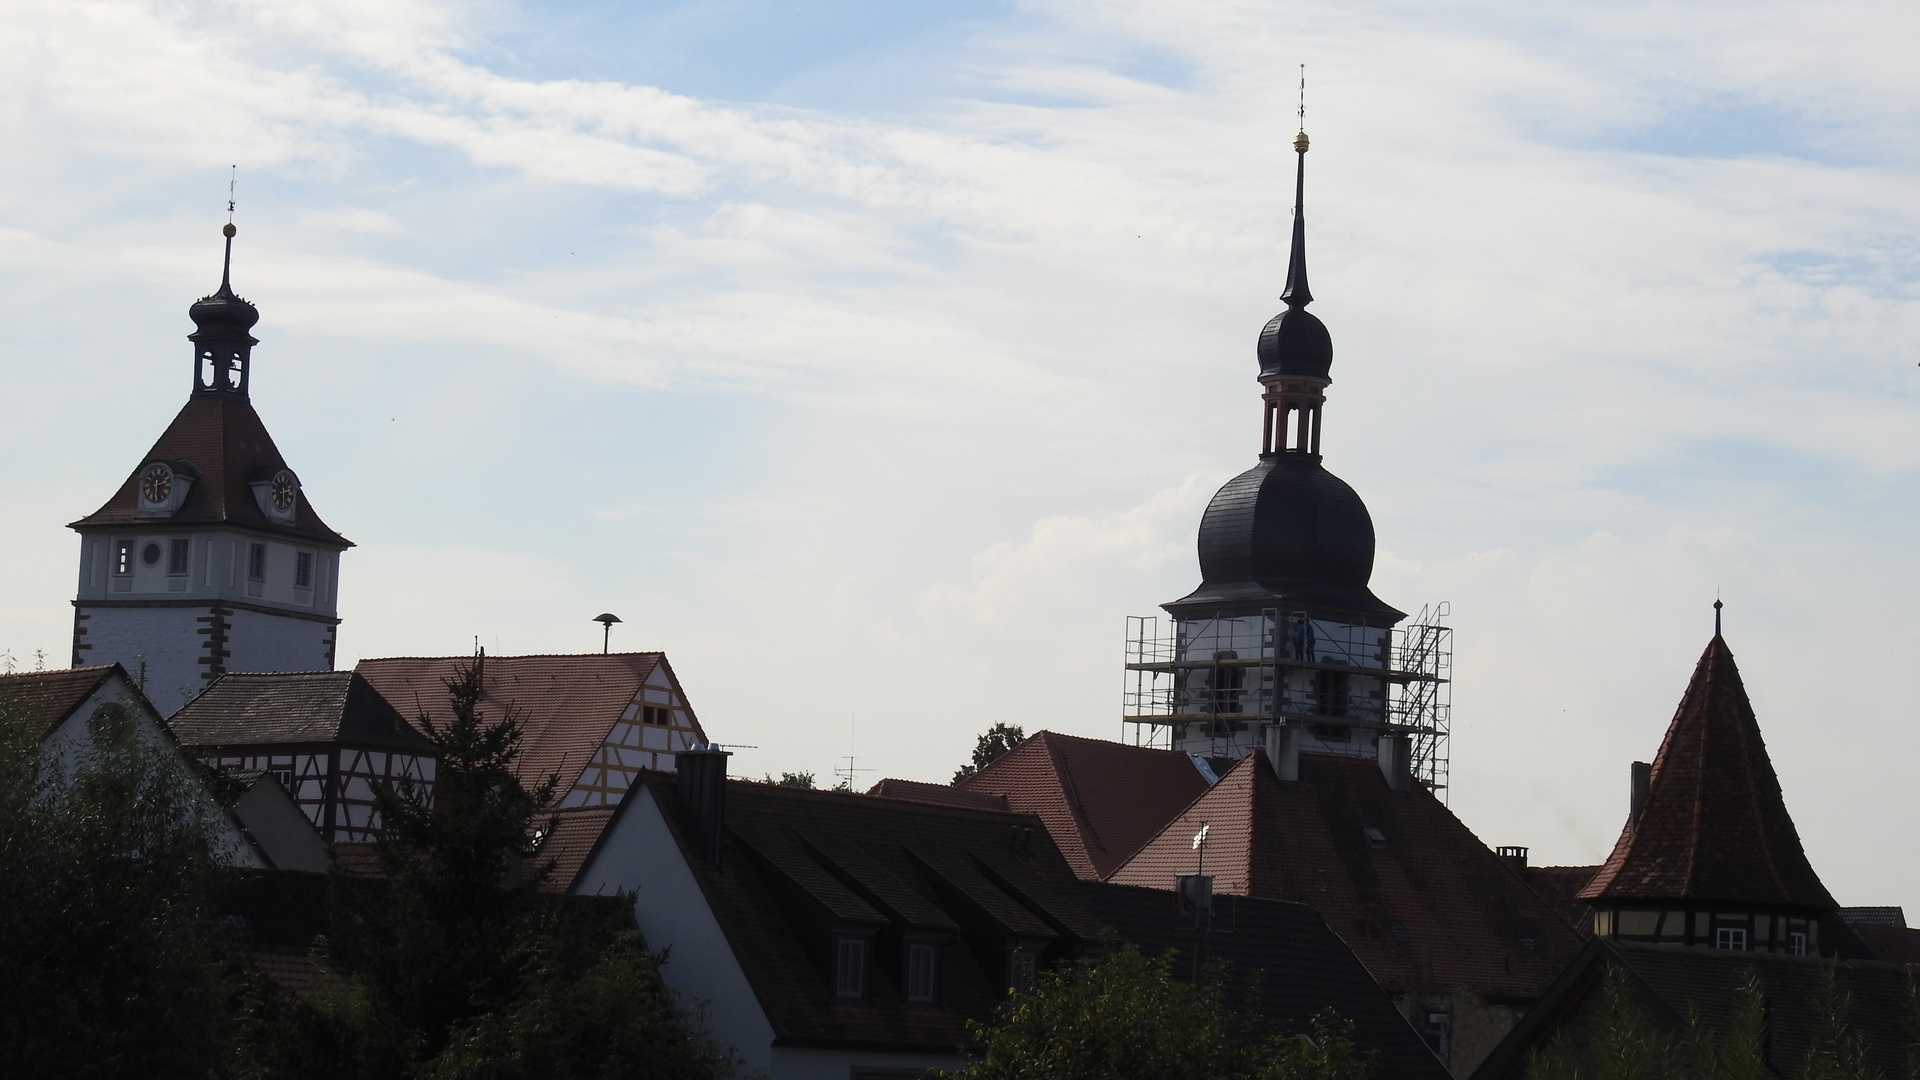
<point x="1296" y="294"/>
<point x="1714" y="826"/>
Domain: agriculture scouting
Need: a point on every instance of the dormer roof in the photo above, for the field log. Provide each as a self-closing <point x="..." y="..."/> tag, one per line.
<point x="224" y="441"/>
<point x="1714" y="825"/>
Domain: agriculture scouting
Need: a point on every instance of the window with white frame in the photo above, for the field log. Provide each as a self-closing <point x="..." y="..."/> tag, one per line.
<point x="1797" y="942"/>
<point x="1730" y="937"/>
<point x="850" y="968"/>
<point x="922" y="961"/>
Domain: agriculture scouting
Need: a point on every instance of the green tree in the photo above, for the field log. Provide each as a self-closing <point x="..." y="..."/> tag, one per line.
<point x="1836" y="1050"/>
<point x="109" y="960"/>
<point x="988" y="748"/>
<point x="791" y="779"/>
<point x="456" y="963"/>
<point x="1125" y="1016"/>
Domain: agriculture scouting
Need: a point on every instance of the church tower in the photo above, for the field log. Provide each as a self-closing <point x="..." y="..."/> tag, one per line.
<point x="1283" y="646"/>
<point x="209" y="558"/>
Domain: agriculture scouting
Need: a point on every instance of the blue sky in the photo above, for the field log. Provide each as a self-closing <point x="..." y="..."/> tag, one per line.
<point x="875" y="360"/>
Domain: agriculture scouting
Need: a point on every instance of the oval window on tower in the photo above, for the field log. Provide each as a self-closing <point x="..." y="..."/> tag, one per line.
<point x="150" y="554"/>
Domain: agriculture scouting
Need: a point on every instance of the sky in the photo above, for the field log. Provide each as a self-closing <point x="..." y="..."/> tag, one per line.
<point x="875" y="361"/>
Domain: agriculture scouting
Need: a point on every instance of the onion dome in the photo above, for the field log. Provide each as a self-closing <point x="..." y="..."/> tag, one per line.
<point x="1287" y="533"/>
<point x="223" y="309"/>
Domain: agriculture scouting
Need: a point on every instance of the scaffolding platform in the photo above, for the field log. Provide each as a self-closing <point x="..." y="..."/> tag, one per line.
<point x="1232" y="677"/>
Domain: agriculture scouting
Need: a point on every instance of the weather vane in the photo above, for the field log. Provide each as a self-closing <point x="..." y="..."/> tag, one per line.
<point x="1303" y="97"/>
<point x="234" y="178"/>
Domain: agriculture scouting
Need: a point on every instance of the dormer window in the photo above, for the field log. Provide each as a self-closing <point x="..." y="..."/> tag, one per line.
<point x="850" y="969"/>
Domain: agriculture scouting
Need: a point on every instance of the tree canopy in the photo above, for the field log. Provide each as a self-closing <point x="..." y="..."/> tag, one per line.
<point x="988" y="748"/>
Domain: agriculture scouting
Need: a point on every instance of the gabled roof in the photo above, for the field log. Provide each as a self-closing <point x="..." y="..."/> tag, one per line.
<point x="221" y="438"/>
<point x="1427" y="894"/>
<point x="1560" y="886"/>
<point x="569" y="703"/>
<point x="1714" y="826"/>
<point x="1286" y="965"/>
<point x="44" y="700"/>
<point x="1101" y="800"/>
<point x="1671" y="980"/>
<point x="937" y="794"/>
<point x="795" y="862"/>
<point x="280" y="708"/>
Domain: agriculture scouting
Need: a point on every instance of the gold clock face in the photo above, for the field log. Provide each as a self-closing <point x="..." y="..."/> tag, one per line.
<point x="282" y="491"/>
<point x="156" y="484"/>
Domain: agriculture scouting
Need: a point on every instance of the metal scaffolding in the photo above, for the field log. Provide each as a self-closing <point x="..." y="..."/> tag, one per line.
<point x="1222" y="682"/>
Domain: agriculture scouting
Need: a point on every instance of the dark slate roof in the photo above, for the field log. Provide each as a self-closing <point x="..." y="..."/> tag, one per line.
<point x="1286" y="965"/>
<point x="1101" y="800"/>
<point x="1671" y="979"/>
<point x="1431" y="896"/>
<point x="1714" y="826"/>
<point x="282" y="708"/>
<point x="1893" y="944"/>
<point x="795" y="861"/>
<point x="937" y="794"/>
<point x="568" y="703"/>
<point x="221" y="438"/>
<point x="1288" y="534"/>
<point x="44" y="700"/>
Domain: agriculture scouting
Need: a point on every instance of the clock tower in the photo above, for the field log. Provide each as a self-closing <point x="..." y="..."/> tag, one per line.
<point x="209" y="558"/>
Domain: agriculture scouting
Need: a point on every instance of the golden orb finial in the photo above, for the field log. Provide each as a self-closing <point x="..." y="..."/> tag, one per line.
<point x="228" y="230"/>
<point x="1300" y="142"/>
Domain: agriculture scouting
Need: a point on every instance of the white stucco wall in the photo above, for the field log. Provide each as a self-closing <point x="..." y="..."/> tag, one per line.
<point x="639" y="855"/>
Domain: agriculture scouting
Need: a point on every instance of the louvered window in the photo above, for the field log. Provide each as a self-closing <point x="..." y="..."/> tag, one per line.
<point x="850" y="969"/>
<point x="921" y="961"/>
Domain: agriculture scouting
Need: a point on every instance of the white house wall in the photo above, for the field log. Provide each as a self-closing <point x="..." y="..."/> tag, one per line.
<point x="638" y="855"/>
<point x="72" y="740"/>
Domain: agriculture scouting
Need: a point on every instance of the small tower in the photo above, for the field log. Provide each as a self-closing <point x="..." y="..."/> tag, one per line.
<point x="1709" y="856"/>
<point x="208" y="559"/>
<point x="1283" y="645"/>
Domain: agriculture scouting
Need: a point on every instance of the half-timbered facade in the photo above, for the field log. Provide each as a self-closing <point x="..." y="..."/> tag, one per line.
<point x="328" y="737"/>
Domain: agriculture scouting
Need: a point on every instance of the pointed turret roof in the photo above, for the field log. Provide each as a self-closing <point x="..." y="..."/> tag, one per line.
<point x="1714" y="826"/>
<point x="221" y="439"/>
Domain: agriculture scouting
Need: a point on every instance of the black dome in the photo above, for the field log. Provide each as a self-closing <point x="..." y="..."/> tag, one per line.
<point x="1287" y="533"/>
<point x="1294" y="342"/>
<point x="223" y="309"/>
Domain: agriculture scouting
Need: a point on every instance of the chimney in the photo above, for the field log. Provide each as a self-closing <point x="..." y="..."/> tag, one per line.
<point x="703" y="797"/>
<point x="1642" y="782"/>
<point x="1283" y="751"/>
<point x="1396" y="761"/>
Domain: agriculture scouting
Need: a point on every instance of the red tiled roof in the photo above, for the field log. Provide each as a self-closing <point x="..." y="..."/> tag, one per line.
<point x="1714" y="826"/>
<point x="43" y="700"/>
<point x="569" y="704"/>
<point x="937" y="794"/>
<point x="575" y="834"/>
<point x="1427" y="895"/>
<point x="222" y="438"/>
<point x="1100" y="800"/>
<point x="1560" y="886"/>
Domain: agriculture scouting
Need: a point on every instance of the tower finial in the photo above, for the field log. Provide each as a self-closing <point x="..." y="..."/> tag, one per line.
<point x="226" y="265"/>
<point x="1297" y="294"/>
<point x="1717" y="605"/>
